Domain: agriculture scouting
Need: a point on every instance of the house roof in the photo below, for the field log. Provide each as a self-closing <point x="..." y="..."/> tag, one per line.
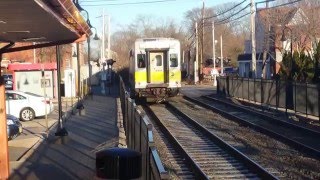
<point x="41" y="21"/>
<point x="277" y="16"/>
<point x="248" y="57"/>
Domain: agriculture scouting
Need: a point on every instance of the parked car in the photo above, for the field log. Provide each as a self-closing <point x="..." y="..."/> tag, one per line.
<point x="14" y="127"/>
<point x="26" y="105"/>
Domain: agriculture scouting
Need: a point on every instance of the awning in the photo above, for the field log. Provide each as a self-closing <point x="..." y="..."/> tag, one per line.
<point x="41" y="21"/>
<point x="32" y="67"/>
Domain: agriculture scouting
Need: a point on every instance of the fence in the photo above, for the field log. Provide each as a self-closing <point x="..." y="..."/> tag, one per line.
<point x="140" y="137"/>
<point x="300" y="97"/>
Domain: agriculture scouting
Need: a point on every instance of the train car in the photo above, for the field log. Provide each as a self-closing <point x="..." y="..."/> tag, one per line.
<point x="155" y="69"/>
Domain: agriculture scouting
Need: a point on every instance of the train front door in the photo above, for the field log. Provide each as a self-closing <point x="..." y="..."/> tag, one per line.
<point x="157" y="70"/>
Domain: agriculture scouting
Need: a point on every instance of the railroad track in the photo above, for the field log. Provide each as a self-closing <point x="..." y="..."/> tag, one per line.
<point x="178" y="165"/>
<point x="209" y="156"/>
<point x="303" y="139"/>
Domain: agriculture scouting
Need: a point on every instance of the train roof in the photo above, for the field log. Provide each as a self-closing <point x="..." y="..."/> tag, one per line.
<point x="157" y="43"/>
<point x="155" y="39"/>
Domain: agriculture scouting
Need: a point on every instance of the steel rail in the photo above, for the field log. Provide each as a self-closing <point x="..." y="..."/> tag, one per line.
<point x="173" y="141"/>
<point x="267" y="117"/>
<point x="253" y="166"/>
<point x="291" y="142"/>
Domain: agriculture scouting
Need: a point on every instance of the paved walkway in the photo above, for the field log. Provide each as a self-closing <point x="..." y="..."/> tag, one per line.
<point x="73" y="156"/>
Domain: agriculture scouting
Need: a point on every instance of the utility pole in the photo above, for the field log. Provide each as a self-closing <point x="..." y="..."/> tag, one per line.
<point x="221" y="54"/>
<point x="214" y="56"/>
<point x="189" y="63"/>
<point x="109" y="38"/>
<point x="196" y="78"/>
<point x="103" y="47"/>
<point x="213" y="47"/>
<point x="183" y="56"/>
<point x="266" y="43"/>
<point x="103" y="37"/>
<point x="202" y="39"/>
<point x="253" y="39"/>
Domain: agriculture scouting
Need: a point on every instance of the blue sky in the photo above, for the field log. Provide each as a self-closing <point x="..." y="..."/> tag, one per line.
<point x="125" y="14"/>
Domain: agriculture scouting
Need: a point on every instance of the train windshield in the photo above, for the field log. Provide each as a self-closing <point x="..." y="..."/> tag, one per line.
<point x="173" y="60"/>
<point x="141" y="60"/>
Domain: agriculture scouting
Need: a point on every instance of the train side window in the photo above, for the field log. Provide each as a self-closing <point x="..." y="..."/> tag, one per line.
<point x="141" y="60"/>
<point x="159" y="60"/>
<point x="173" y="60"/>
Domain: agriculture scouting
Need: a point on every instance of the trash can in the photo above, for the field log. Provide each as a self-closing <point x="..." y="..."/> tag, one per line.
<point x="80" y="108"/>
<point x="118" y="163"/>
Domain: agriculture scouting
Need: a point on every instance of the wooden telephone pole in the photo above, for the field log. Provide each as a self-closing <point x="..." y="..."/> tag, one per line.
<point x="266" y="44"/>
<point x="196" y="75"/>
<point x="253" y="40"/>
<point x="202" y="40"/>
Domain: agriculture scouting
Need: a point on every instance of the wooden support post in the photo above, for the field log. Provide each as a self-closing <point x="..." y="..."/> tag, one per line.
<point x="4" y="154"/>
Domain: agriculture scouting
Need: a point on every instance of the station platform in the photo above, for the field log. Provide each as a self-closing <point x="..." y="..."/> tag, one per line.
<point x="73" y="156"/>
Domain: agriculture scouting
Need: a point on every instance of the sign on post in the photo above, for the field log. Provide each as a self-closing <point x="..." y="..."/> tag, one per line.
<point x="45" y="83"/>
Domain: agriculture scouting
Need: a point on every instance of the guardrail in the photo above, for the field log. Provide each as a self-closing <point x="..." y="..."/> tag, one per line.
<point x="303" y="98"/>
<point x="140" y="137"/>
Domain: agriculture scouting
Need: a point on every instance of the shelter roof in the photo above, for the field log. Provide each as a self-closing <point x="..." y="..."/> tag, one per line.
<point x="41" y="21"/>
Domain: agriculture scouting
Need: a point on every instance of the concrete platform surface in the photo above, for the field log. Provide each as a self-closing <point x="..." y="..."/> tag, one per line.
<point x="72" y="156"/>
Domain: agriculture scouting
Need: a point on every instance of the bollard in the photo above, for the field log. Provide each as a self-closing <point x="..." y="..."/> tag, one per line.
<point x="80" y="108"/>
<point x="118" y="163"/>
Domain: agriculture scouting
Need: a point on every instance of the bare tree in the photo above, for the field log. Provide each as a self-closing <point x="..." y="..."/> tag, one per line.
<point x="232" y="31"/>
<point x="142" y="27"/>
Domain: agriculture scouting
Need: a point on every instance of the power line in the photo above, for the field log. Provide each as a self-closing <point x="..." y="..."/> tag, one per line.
<point x="98" y="0"/>
<point x="234" y="14"/>
<point x="129" y="3"/>
<point x="191" y="36"/>
<point x="234" y="19"/>
<point x="221" y="21"/>
<point x="226" y="10"/>
<point x="231" y="20"/>
<point x="281" y="5"/>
